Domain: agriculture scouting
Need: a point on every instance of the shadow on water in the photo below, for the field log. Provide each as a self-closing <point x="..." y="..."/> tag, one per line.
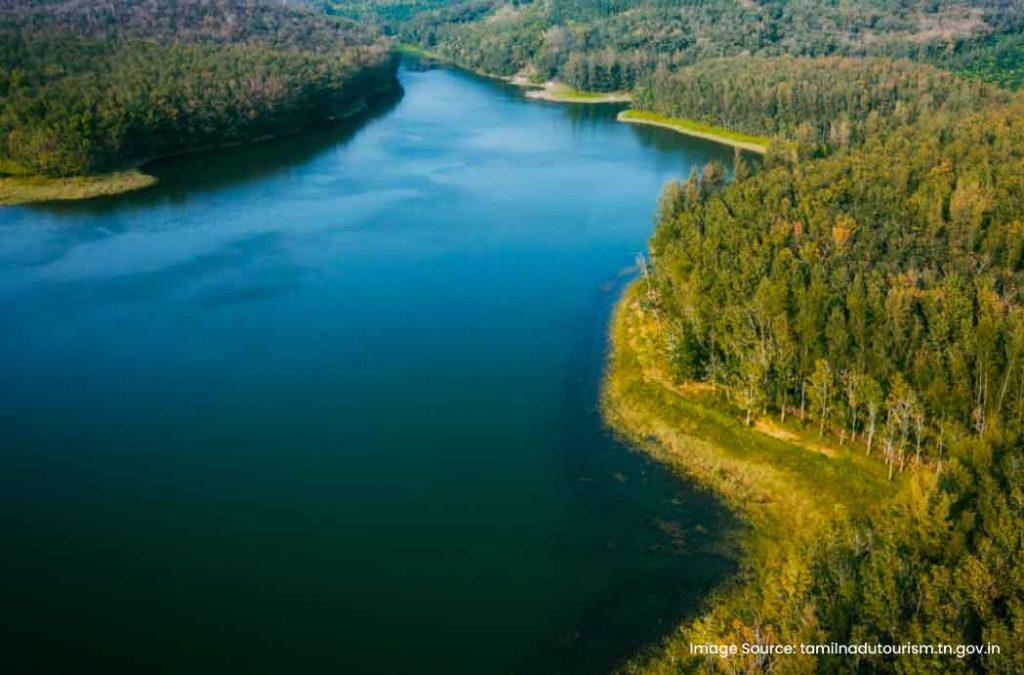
<point x="684" y="533"/>
<point x="183" y="176"/>
<point x="664" y="140"/>
<point x="583" y="115"/>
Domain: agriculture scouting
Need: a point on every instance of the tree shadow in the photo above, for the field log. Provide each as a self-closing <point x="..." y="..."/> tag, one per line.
<point x="184" y="176"/>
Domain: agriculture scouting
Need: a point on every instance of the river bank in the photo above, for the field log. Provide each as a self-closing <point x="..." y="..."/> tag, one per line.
<point x="551" y="90"/>
<point x="784" y="483"/>
<point x="558" y="92"/>
<point x="33" y="189"/>
<point x="15" y="190"/>
<point x="758" y="144"/>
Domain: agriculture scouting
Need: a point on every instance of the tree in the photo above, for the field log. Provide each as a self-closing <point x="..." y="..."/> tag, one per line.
<point x="871" y="394"/>
<point x="820" y="390"/>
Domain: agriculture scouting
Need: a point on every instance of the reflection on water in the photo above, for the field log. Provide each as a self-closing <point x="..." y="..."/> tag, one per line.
<point x="225" y="167"/>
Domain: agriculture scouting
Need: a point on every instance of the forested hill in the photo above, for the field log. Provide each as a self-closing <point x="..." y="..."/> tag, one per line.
<point x="604" y="45"/>
<point x="89" y="87"/>
<point x="270" y="23"/>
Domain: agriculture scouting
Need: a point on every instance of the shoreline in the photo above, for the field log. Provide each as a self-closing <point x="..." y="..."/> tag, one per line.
<point x="557" y="92"/>
<point x="22" y="190"/>
<point x="785" y="485"/>
<point x="552" y="90"/>
<point x="756" y="144"/>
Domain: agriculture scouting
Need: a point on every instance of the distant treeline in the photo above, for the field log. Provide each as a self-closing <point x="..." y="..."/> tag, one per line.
<point x="271" y="23"/>
<point x="603" y="45"/>
<point x="92" y="86"/>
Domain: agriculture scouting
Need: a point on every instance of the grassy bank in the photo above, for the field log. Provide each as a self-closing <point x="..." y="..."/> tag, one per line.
<point x="32" y="189"/>
<point x="415" y="51"/>
<point x="758" y="144"/>
<point x="563" y="93"/>
<point x="786" y="483"/>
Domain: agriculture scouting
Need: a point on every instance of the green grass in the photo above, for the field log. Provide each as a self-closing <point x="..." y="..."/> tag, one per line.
<point x="31" y="189"/>
<point x="415" y="50"/>
<point x="786" y="490"/>
<point x="641" y="401"/>
<point x="557" y="91"/>
<point x="694" y="128"/>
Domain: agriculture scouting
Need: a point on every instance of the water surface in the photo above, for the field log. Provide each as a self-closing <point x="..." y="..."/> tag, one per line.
<point x="329" y="403"/>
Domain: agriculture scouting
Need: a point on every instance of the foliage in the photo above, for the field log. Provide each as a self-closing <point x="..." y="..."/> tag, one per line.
<point x="873" y="289"/>
<point x="822" y="102"/>
<point x="100" y="87"/>
<point x="998" y="59"/>
<point x="29" y="189"/>
<point x="606" y="45"/>
<point x="694" y="128"/>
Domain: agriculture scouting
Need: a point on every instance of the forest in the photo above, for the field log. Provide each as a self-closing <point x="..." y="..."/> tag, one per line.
<point x="605" y="45"/>
<point x="89" y="87"/>
<point x="822" y="103"/>
<point x="863" y="282"/>
<point x="875" y="294"/>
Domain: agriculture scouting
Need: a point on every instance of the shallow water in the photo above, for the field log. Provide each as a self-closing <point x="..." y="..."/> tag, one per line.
<point x="329" y="402"/>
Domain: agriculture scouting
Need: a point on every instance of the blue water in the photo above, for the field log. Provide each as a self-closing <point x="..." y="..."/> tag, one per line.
<point x="328" y="403"/>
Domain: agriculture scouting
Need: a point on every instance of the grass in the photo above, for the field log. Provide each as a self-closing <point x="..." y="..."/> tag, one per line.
<point x="33" y="189"/>
<point x="415" y="50"/>
<point x="756" y="471"/>
<point x="786" y="485"/>
<point x="689" y="127"/>
<point x="563" y="93"/>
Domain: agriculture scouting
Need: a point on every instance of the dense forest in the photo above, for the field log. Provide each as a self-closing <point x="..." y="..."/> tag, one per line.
<point x="876" y="293"/>
<point x="604" y="45"/>
<point x="88" y="87"/>
<point x="865" y="281"/>
<point x="822" y="102"/>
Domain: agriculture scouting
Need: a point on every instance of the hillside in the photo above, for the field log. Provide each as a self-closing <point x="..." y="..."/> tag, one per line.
<point x="602" y="45"/>
<point x="90" y="88"/>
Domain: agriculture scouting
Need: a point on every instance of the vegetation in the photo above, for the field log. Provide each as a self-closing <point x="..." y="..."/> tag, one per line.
<point x="29" y="189"/>
<point x="88" y="89"/>
<point x="835" y="340"/>
<point x="871" y="290"/>
<point x="787" y="483"/>
<point x="611" y="45"/>
<point x="998" y="59"/>
<point x="823" y="103"/>
<point x="556" y="91"/>
<point x="835" y="552"/>
<point x="689" y="127"/>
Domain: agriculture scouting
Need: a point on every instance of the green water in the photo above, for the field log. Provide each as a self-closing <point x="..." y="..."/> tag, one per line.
<point x="328" y="404"/>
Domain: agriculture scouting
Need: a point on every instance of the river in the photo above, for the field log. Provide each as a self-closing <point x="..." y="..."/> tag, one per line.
<point x="329" y="403"/>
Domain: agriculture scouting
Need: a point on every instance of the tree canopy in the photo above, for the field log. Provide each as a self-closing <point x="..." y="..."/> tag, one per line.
<point x="87" y="87"/>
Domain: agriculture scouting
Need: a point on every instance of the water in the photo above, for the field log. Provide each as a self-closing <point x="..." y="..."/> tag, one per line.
<point x="328" y="403"/>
